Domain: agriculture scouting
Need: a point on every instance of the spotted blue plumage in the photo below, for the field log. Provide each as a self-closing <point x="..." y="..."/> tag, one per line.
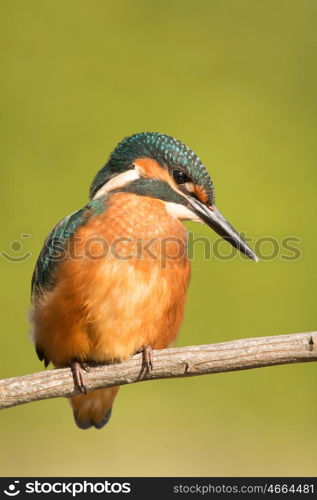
<point x="167" y="151"/>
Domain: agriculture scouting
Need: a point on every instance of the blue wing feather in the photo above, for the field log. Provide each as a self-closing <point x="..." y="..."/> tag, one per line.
<point x="43" y="278"/>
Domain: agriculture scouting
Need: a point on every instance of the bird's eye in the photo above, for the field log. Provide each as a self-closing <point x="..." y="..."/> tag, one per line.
<point x="180" y="177"/>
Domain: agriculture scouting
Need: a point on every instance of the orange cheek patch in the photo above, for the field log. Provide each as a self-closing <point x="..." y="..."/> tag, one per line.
<point x="152" y="169"/>
<point x="201" y="193"/>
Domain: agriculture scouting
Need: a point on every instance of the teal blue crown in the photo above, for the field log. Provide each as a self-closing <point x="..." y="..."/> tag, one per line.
<point x="167" y="151"/>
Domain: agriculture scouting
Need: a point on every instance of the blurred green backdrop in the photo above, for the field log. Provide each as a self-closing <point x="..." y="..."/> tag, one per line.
<point x="236" y="80"/>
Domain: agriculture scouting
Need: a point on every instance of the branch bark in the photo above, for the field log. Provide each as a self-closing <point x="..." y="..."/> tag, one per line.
<point x="167" y="363"/>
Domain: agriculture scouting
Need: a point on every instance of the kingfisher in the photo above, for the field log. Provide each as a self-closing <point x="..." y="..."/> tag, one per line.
<point x="111" y="279"/>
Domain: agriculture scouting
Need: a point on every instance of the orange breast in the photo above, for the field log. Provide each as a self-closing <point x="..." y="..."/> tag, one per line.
<point x="123" y="286"/>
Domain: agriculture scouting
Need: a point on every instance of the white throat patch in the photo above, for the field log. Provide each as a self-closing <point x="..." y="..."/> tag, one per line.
<point x="118" y="181"/>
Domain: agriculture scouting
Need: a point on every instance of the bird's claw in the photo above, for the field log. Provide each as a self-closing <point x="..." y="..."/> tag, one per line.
<point x="78" y="374"/>
<point x="147" y="359"/>
<point x="86" y="367"/>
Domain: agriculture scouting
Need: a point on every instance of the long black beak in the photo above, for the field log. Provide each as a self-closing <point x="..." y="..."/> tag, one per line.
<point x="214" y="219"/>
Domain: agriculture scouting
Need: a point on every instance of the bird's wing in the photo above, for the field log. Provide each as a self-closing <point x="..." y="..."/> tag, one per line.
<point x="53" y="250"/>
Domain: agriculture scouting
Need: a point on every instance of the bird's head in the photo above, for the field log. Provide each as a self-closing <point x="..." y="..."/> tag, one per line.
<point x="159" y="166"/>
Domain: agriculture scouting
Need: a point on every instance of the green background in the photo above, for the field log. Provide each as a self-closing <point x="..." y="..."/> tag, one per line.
<point x="235" y="80"/>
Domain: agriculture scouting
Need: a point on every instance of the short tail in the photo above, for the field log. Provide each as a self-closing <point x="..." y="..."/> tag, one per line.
<point x="94" y="408"/>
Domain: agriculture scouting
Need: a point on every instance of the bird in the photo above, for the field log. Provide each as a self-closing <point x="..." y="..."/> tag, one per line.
<point x="111" y="279"/>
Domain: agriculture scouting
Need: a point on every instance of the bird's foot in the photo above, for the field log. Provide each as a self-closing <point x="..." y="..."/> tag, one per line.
<point x="78" y="369"/>
<point x="147" y="359"/>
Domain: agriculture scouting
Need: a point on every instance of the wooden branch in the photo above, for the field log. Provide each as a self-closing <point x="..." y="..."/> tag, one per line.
<point x="168" y="363"/>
